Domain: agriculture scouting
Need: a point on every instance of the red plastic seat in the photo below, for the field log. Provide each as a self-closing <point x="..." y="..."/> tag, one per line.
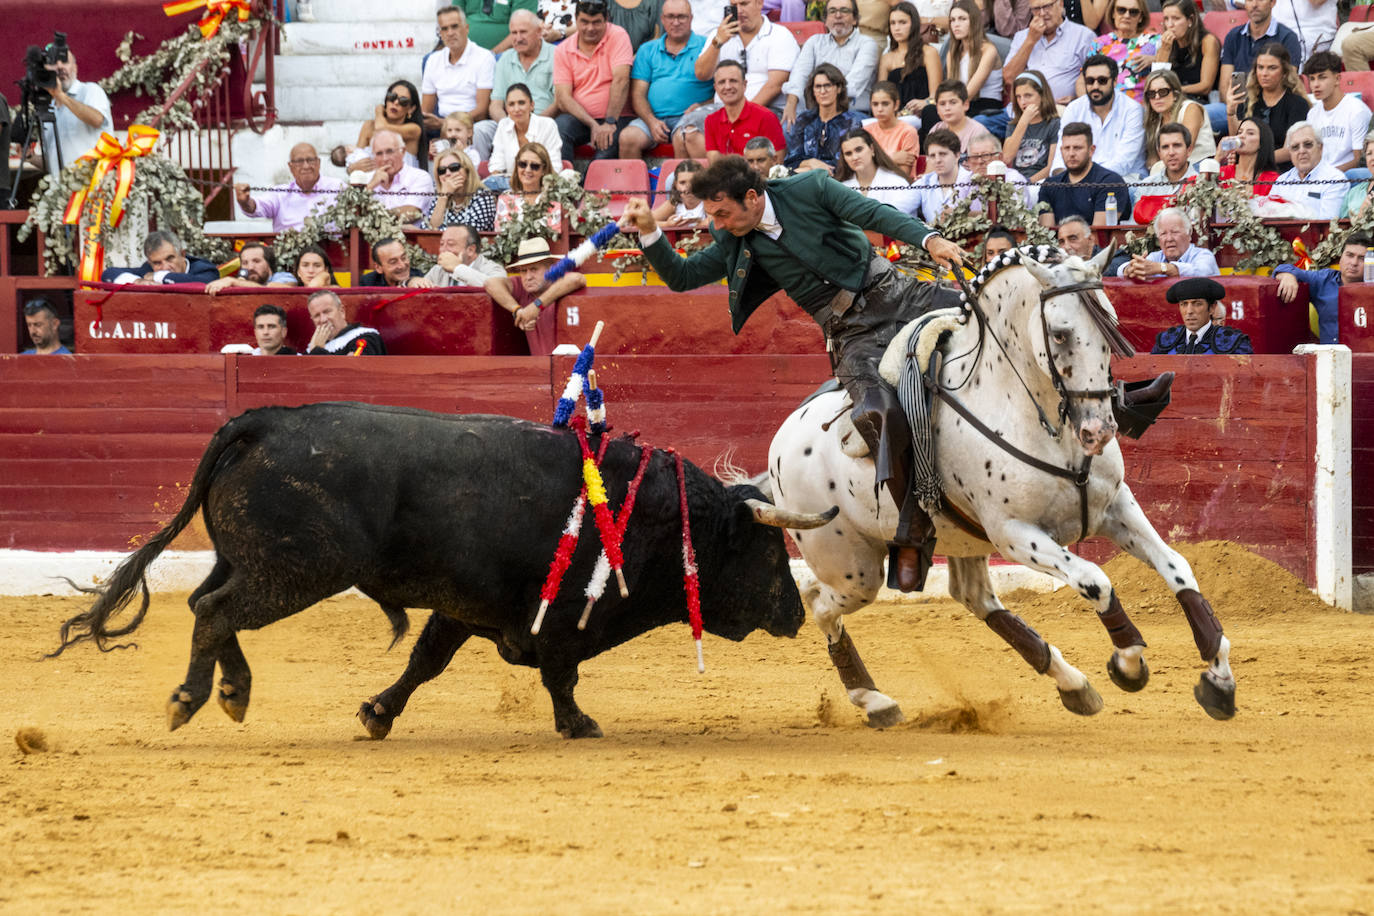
<point x="803" y="30"/>
<point x="621" y="179"/>
<point x="1223" y="21"/>
<point x="1361" y="13"/>
<point x="1362" y="82"/>
<point x="1156" y="22"/>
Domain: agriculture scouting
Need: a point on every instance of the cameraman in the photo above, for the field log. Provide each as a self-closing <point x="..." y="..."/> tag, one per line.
<point x="82" y="112"/>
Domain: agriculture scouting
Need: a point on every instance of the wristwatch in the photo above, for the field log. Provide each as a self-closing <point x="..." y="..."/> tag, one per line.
<point x="539" y="304"/>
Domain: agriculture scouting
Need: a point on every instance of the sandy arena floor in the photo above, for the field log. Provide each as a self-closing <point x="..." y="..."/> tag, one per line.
<point x="752" y="789"/>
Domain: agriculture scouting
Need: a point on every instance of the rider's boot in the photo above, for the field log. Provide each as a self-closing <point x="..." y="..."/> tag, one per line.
<point x="879" y="418"/>
<point x="1156" y="390"/>
<point x="1136" y="405"/>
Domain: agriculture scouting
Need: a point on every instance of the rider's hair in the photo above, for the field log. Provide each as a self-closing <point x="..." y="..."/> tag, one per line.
<point x="730" y="176"/>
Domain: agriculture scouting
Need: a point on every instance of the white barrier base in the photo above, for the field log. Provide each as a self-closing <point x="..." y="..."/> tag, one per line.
<point x="32" y="572"/>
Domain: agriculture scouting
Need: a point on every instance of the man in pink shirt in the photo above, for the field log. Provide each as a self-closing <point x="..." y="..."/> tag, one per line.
<point x="403" y="189"/>
<point x="591" y="82"/>
<point x="287" y="205"/>
<point x="736" y="122"/>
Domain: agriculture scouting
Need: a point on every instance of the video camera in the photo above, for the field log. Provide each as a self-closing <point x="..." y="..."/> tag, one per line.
<point x="37" y="61"/>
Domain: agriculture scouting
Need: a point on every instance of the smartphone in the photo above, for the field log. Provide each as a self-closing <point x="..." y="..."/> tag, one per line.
<point x="731" y="11"/>
<point x="1238" y="81"/>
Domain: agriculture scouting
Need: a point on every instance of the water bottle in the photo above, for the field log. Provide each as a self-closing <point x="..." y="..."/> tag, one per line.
<point x="1111" y="210"/>
<point x="1369" y="266"/>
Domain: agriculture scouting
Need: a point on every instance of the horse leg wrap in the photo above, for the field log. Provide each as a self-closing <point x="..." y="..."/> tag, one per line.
<point x="1119" y="626"/>
<point x="1022" y="637"/>
<point x="1206" y="627"/>
<point x="845" y="658"/>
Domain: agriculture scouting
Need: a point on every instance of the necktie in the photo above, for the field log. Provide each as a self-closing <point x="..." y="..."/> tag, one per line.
<point x="1192" y="343"/>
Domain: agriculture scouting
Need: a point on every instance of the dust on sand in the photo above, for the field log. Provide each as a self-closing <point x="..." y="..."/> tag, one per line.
<point x="740" y="791"/>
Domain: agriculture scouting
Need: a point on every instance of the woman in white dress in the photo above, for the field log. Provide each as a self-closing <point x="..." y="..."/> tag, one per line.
<point x="864" y="167"/>
<point x="520" y="126"/>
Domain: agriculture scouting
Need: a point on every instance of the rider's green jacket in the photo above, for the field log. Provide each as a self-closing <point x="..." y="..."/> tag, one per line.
<point x="822" y="247"/>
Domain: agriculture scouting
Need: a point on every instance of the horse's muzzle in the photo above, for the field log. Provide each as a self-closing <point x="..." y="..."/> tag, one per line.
<point x="1095" y="435"/>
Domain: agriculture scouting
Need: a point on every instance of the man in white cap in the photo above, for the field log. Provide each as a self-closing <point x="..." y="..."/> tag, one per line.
<point x="529" y="297"/>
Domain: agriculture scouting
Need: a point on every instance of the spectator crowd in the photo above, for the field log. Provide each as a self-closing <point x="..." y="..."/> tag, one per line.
<point x="1100" y="109"/>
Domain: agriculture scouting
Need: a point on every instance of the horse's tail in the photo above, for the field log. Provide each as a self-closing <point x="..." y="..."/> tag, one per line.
<point x="115" y="593"/>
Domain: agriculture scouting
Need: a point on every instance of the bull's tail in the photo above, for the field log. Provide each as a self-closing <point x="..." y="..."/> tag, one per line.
<point x="115" y="593"/>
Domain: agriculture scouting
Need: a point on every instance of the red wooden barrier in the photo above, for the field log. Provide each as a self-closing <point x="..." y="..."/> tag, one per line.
<point x="1362" y="459"/>
<point x="95" y="450"/>
<point x="1252" y="306"/>
<point x="1355" y="314"/>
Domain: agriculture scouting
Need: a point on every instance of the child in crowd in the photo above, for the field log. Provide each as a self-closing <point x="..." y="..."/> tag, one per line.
<point x="457" y="133"/>
<point x="945" y="181"/>
<point x="1030" y="146"/>
<point x="1340" y="120"/>
<point x="951" y="102"/>
<point x="682" y="210"/>
<point x="895" y="137"/>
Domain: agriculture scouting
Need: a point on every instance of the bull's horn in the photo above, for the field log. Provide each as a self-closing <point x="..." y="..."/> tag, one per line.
<point x="765" y="513"/>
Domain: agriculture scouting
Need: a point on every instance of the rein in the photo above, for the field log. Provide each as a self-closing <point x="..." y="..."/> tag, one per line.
<point x="1119" y="346"/>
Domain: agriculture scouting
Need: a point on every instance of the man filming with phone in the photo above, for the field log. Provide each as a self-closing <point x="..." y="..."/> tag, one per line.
<point x="81" y="110"/>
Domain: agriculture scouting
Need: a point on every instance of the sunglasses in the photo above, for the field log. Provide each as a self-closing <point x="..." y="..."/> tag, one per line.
<point x="450" y="169"/>
<point x="1127" y="11"/>
<point x="529" y="166"/>
<point x="1097" y="80"/>
<point x="1306" y="144"/>
<point x="1158" y="93"/>
<point x="405" y="100"/>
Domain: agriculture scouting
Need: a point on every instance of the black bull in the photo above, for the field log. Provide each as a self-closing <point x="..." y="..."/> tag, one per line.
<point x="457" y="514"/>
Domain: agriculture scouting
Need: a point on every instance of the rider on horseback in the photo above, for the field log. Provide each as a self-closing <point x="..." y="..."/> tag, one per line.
<point x="805" y="236"/>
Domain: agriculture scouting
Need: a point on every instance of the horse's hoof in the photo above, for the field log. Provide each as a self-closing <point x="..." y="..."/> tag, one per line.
<point x="232" y="700"/>
<point x="179" y="709"/>
<point x="585" y="728"/>
<point x="374" y="717"/>
<point x="1120" y="679"/>
<point x="1085" y="701"/>
<point x="887" y="717"/>
<point x="1217" y="700"/>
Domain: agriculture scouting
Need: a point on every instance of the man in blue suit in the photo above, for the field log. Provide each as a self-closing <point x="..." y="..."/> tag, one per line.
<point x="1196" y="297"/>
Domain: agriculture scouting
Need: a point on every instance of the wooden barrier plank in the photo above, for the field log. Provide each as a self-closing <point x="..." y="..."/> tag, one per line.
<point x="109" y="382"/>
<point x="128" y="420"/>
<point x="99" y="471"/>
<point x="100" y="445"/>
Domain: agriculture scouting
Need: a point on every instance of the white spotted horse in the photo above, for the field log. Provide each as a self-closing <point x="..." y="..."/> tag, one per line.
<point x="1022" y="459"/>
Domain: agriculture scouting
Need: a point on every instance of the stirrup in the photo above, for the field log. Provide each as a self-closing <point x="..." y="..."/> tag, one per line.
<point x="925" y="559"/>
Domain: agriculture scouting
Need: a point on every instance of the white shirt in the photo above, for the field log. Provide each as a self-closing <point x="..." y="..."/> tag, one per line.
<point x="504" y="144"/>
<point x="706" y="16"/>
<point x="934" y="198"/>
<point x="456" y="85"/>
<point x="772" y="48"/>
<point x="75" y="135"/>
<point x="1059" y="58"/>
<point x="1120" y="140"/>
<point x="1195" y="262"/>
<point x="889" y="188"/>
<point x="1323" y="200"/>
<point x="1314" y="24"/>
<point x="1342" y="129"/>
<point x="475" y="274"/>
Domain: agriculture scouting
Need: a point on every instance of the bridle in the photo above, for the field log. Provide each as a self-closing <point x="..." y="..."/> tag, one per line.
<point x="1119" y="346"/>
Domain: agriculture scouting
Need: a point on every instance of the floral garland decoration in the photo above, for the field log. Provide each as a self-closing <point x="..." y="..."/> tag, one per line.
<point x="354" y="208"/>
<point x="1208" y="202"/>
<point x="159" y="185"/>
<point x="158" y="73"/>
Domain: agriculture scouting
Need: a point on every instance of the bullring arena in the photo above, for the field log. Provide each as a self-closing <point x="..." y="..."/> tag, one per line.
<point x="752" y="787"/>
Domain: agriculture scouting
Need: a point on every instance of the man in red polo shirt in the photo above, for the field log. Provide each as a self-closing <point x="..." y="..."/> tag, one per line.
<point x="738" y="120"/>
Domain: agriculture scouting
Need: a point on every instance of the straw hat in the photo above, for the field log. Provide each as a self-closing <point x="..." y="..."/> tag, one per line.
<point x="532" y="252"/>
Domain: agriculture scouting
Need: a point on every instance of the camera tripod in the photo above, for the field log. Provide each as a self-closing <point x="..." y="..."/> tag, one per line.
<point x="33" y="113"/>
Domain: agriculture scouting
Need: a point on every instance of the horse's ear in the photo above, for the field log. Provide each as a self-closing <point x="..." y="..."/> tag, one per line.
<point x="1038" y="271"/>
<point x="1103" y="258"/>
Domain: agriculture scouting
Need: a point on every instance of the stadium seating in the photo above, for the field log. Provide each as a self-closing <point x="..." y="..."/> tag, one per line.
<point x="621" y="179"/>
<point x="1223" y="21"/>
<point x="1361" y="82"/>
<point x="803" y="30"/>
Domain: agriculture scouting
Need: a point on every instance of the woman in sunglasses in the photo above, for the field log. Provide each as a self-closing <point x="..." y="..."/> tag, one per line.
<point x="461" y="199"/>
<point x="399" y="111"/>
<point x="1165" y="103"/>
<point x="520" y="126"/>
<point x="1130" y="44"/>
<point x="526" y="188"/>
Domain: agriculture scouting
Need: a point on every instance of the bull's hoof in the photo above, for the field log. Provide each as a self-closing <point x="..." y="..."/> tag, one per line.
<point x="180" y="708"/>
<point x="585" y="727"/>
<point x="375" y="719"/>
<point x="1122" y="680"/>
<point x="886" y="717"/>
<point x="233" y="700"/>
<point x="1216" y="699"/>
<point x="1085" y="701"/>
